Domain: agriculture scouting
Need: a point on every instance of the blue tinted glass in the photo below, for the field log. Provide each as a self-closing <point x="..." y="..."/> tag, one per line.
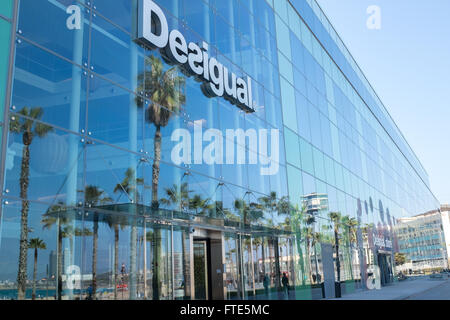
<point x="307" y="156"/>
<point x="288" y="103"/>
<point x="297" y="52"/>
<point x="115" y="55"/>
<point x="316" y="134"/>
<point x="292" y="148"/>
<point x="53" y="84"/>
<point x="303" y="121"/>
<point x="121" y="12"/>
<point x="283" y="38"/>
<point x="294" y="177"/>
<point x="48" y="28"/>
<point x="299" y="82"/>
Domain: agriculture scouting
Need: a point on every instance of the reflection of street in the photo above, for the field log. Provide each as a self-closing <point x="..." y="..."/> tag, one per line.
<point x="441" y="292"/>
<point x="415" y="288"/>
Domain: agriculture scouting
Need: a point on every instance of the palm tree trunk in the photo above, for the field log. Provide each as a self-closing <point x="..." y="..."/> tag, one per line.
<point x="23" y="247"/>
<point x="156" y="168"/>
<point x="338" y="262"/>
<point x="315" y="261"/>
<point x="308" y="255"/>
<point x="116" y="257"/>
<point x="156" y="285"/>
<point x="185" y="264"/>
<point x="300" y="254"/>
<point x="263" y="256"/>
<point x="94" y="257"/>
<point x="277" y="264"/>
<point x="33" y="295"/>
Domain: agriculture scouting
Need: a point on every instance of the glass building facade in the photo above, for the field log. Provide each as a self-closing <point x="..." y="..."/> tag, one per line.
<point x="93" y="207"/>
<point x="422" y="241"/>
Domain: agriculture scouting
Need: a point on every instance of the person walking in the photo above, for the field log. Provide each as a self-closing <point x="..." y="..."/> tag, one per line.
<point x="266" y="283"/>
<point x="285" y="283"/>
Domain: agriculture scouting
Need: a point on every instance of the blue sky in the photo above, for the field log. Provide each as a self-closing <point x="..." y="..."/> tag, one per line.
<point x="407" y="62"/>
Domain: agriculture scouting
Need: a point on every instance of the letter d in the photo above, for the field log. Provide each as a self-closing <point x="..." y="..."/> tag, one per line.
<point x="153" y="28"/>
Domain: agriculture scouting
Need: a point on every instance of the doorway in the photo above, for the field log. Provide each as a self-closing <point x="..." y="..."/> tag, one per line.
<point x="207" y="265"/>
<point x="384" y="263"/>
<point x="202" y="274"/>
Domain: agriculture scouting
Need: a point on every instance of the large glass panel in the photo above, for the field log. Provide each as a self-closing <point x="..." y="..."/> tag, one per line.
<point x="120" y="13"/>
<point x="306" y="151"/>
<point x="289" y="106"/>
<point x="57" y="87"/>
<point x="5" y="36"/>
<point x="292" y="148"/>
<point x="118" y="174"/>
<point x="6" y="8"/>
<point x="232" y="278"/>
<point x="52" y="29"/>
<point x="114" y="115"/>
<point x="115" y="55"/>
<point x="248" y="266"/>
<point x="181" y="265"/>
<point x="49" y="266"/>
<point x="283" y="37"/>
<point x="49" y="162"/>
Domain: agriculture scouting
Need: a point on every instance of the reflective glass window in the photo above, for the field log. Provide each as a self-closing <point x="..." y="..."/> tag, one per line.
<point x="49" y="29"/>
<point x="52" y="84"/>
<point x="292" y="148"/>
<point x="288" y="103"/>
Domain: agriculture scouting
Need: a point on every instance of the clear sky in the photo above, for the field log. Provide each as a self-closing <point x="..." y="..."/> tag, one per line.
<point x="407" y="62"/>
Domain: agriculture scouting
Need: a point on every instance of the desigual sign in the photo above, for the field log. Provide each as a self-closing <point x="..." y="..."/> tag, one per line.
<point x="381" y="242"/>
<point x="194" y="60"/>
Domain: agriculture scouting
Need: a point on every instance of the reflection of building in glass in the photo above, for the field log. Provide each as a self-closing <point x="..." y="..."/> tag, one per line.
<point x="52" y="263"/>
<point x="89" y="115"/>
<point x="314" y="203"/>
<point x="421" y="239"/>
<point x="445" y="211"/>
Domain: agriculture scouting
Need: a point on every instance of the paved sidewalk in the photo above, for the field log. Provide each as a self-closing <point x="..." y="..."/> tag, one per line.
<point x="400" y="290"/>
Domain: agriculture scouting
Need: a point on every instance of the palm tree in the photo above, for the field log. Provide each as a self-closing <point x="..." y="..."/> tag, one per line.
<point x="94" y="196"/>
<point x="350" y="225"/>
<point x="249" y="212"/>
<point x="36" y="244"/>
<point x="217" y="208"/>
<point x="270" y="204"/>
<point x="297" y="217"/>
<point x="309" y="236"/>
<point x="128" y="185"/>
<point x="197" y="203"/>
<point x="336" y="219"/>
<point x="57" y="214"/>
<point x="180" y="197"/>
<point x="28" y="128"/>
<point x="164" y="89"/>
<point x="177" y="196"/>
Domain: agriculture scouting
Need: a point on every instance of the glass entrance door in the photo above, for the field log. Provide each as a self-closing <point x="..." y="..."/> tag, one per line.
<point x="201" y="269"/>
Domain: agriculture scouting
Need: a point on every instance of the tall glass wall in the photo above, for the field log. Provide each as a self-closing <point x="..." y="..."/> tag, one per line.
<point x="93" y="207"/>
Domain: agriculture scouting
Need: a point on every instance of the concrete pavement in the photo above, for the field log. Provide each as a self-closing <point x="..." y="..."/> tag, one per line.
<point x="420" y="287"/>
<point x="440" y="292"/>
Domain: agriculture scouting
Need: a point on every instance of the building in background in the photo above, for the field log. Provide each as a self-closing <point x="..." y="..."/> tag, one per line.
<point x="89" y="116"/>
<point x="422" y="239"/>
<point x="445" y="212"/>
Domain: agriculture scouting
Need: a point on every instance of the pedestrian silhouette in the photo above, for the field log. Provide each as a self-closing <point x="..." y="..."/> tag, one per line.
<point x="285" y="283"/>
<point x="266" y="283"/>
